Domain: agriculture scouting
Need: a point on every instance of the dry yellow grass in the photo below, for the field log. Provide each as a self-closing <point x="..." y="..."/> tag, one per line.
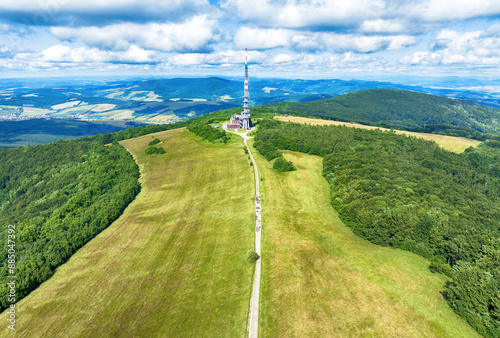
<point x="455" y="144"/>
<point x="174" y="264"/>
<point x="321" y="280"/>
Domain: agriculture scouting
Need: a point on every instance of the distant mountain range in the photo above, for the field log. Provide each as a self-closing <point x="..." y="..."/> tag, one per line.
<point x="178" y="99"/>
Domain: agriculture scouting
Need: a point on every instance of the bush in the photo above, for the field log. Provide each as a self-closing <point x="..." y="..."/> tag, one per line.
<point x="440" y="268"/>
<point x="155" y="141"/>
<point x="283" y="165"/>
<point x="252" y="256"/>
<point x="153" y="150"/>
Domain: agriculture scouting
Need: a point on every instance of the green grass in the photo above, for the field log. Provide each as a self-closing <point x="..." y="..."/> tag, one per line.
<point x="173" y="265"/>
<point x="319" y="279"/>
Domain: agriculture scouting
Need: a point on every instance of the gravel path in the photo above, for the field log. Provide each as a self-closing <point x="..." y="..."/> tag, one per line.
<point x="253" y="316"/>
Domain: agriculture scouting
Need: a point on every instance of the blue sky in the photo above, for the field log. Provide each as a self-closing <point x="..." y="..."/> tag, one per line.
<point x="285" y="38"/>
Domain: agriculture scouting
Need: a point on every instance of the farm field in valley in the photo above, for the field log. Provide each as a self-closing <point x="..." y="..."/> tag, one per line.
<point x="319" y="279"/>
<point x="174" y="264"/>
<point x="455" y="144"/>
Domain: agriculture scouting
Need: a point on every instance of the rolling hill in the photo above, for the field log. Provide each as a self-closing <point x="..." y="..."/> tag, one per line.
<point x="321" y="280"/>
<point x="404" y="192"/>
<point x="400" y="109"/>
<point x="174" y="264"/>
<point x="160" y="100"/>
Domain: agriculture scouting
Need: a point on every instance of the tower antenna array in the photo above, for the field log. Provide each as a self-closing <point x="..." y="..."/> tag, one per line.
<point x="246" y="111"/>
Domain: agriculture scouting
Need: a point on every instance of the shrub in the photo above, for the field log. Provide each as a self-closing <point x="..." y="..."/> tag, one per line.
<point x="155" y="141"/>
<point x="153" y="150"/>
<point x="283" y="165"/>
<point x="252" y="256"/>
<point x="435" y="267"/>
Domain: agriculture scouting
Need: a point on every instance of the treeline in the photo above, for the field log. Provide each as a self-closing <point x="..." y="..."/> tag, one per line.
<point x="457" y="132"/>
<point x="270" y="152"/>
<point x="59" y="196"/>
<point x="408" y="193"/>
<point x="207" y="132"/>
<point x="401" y="110"/>
<point x="137" y="131"/>
<point x="267" y="150"/>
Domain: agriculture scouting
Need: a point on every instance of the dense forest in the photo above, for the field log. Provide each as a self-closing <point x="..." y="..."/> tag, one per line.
<point x="402" y="110"/>
<point x="207" y="132"/>
<point x="408" y="193"/>
<point x="61" y="195"/>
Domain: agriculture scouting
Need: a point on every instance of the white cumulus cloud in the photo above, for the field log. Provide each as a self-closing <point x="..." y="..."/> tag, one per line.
<point x="303" y="13"/>
<point x="59" y="53"/>
<point x="480" y="47"/>
<point x="192" y="35"/>
<point x="227" y="57"/>
<point x="100" y="12"/>
<point x="382" y="26"/>
<point x="445" y="10"/>
<point x="258" y="38"/>
<point x="267" y="38"/>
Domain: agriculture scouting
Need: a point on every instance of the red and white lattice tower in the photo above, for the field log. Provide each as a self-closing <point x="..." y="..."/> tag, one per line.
<point x="246" y="112"/>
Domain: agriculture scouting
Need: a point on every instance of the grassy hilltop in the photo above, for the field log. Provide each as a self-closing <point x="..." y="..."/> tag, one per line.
<point x="321" y="280"/>
<point x="405" y="192"/>
<point x="174" y="264"/>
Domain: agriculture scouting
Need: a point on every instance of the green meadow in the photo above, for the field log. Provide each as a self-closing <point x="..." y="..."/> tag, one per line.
<point x="173" y="265"/>
<point x="321" y="280"/>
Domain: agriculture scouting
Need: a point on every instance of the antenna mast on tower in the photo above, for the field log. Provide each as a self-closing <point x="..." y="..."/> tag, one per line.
<point x="246" y="111"/>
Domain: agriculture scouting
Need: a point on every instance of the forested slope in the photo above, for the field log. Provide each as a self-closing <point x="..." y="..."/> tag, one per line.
<point x="401" y="109"/>
<point x="408" y="193"/>
<point x="59" y="196"/>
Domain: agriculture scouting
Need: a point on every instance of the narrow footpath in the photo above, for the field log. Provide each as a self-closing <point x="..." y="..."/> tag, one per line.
<point x="253" y="315"/>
